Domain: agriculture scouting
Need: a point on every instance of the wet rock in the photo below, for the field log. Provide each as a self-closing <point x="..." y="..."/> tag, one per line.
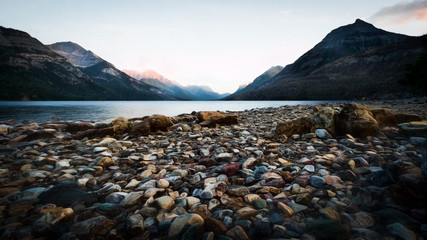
<point x="317" y="181"/>
<point x="165" y="202"/>
<point x="215" y="225"/>
<point x="260" y="204"/>
<point x="250" y="162"/>
<point x="291" y="127"/>
<point x="74" y="127"/>
<point x="181" y="222"/>
<point x="231" y="169"/>
<point x="65" y="194"/>
<point x="132" y="198"/>
<point x="364" y="233"/>
<point x="356" y="120"/>
<point x="327" y="229"/>
<point x="4" y="129"/>
<point x="323" y="134"/>
<point x="109" y="209"/>
<point x="330" y="213"/>
<point x="207" y="162"/>
<point x="97" y="226"/>
<point x="246" y="213"/>
<point x="285" y="209"/>
<point x="162" y="183"/>
<point x="398" y="229"/>
<point x="404" y="117"/>
<point x="193" y="232"/>
<point x="214" y="118"/>
<point x="141" y="128"/>
<point x="94" y="133"/>
<point x="238" y="191"/>
<point x="324" y="119"/>
<point x="135" y="224"/>
<point x="237" y="233"/>
<point x="384" y="117"/>
<point x="418" y="128"/>
<point x="159" y="122"/>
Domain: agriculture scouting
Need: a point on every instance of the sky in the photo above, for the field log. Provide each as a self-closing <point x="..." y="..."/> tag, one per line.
<point x="221" y="43"/>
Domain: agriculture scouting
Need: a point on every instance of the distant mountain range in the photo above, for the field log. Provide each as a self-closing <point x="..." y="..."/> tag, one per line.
<point x="30" y="70"/>
<point x="193" y="92"/>
<point x="355" y="61"/>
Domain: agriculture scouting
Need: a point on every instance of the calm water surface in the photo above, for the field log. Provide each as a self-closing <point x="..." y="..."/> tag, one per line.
<point x="108" y="110"/>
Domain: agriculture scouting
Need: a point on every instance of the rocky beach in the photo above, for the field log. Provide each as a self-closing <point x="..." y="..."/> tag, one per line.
<point x="331" y="171"/>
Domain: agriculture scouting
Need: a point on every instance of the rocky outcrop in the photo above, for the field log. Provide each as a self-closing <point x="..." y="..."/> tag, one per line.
<point x="296" y="126"/>
<point x="356" y="120"/>
<point x="212" y="118"/>
<point x="325" y="119"/>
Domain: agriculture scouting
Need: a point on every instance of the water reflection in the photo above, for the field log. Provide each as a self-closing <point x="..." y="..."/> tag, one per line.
<point x="108" y="110"/>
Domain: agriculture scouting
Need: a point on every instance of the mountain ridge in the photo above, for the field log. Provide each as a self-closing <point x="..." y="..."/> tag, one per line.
<point x="299" y="79"/>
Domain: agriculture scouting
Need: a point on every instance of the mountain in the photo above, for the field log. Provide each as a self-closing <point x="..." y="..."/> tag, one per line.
<point x="352" y="62"/>
<point x="267" y="75"/>
<point x="75" y="54"/>
<point x="120" y="85"/>
<point x="193" y="92"/>
<point x="204" y="93"/>
<point x="29" y="70"/>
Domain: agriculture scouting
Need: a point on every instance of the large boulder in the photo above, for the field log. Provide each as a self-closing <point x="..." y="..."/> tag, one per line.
<point x="73" y="127"/>
<point x="94" y="133"/>
<point x="384" y="117"/>
<point x="159" y="122"/>
<point x="121" y="125"/>
<point x="212" y="118"/>
<point x="356" y="120"/>
<point x="296" y="126"/>
<point x="404" y="117"/>
<point x="141" y="128"/>
<point x="324" y="119"/>
<point x="418" y="128"/>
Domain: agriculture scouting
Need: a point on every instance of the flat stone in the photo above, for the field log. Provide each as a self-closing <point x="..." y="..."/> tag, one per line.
<point x="260" y="204"/>
<point x="398" y="229"/>
<point x="246" y="213"/>
<point x="179" y="223"/>
<point x="132" y="198"/>
<point x="96" y="226"/>
<point x="285" y="209"/>
<point x="165" y="202"/>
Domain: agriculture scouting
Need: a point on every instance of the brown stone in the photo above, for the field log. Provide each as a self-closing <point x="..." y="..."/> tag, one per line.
<point x="324" y="119"/>
<point x="296" y="126"/>
<point x="215" y="225"/>
<point x="356" y="120"/>
<point x="384" y="117"/>
<point x="403" y="117"/>
<point x="159" y="122"/>
<point x="141" y="128"/>
<point x="211" y="118"/>
<point x="77" y="127"/>
<point x="94" y="133"/>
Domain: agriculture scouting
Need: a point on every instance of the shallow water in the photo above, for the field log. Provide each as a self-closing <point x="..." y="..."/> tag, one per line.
<point x="108" y="110"/>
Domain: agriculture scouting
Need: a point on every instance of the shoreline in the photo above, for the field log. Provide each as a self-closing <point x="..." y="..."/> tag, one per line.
<point x="241" y="175"/>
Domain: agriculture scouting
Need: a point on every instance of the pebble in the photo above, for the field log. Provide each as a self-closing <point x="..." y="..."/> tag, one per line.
<point x="236" y="181"/>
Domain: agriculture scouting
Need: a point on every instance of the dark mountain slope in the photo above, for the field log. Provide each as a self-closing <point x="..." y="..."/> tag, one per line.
<point x="119" y="85"/>
<point x="350" y="62"/>
<point x="31" y="71"/>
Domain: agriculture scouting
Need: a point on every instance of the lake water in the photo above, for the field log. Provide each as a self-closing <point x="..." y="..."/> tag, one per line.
<point x="108" y="110"/>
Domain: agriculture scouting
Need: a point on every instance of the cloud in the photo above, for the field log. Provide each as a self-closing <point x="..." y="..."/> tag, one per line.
<point x="402" y="13"/>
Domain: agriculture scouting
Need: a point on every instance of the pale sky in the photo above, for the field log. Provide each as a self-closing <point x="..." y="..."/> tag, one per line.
<point x="221" y="44"/>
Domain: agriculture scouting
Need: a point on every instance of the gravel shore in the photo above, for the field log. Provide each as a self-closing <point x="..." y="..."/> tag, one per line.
<point x="339" y="171"/>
